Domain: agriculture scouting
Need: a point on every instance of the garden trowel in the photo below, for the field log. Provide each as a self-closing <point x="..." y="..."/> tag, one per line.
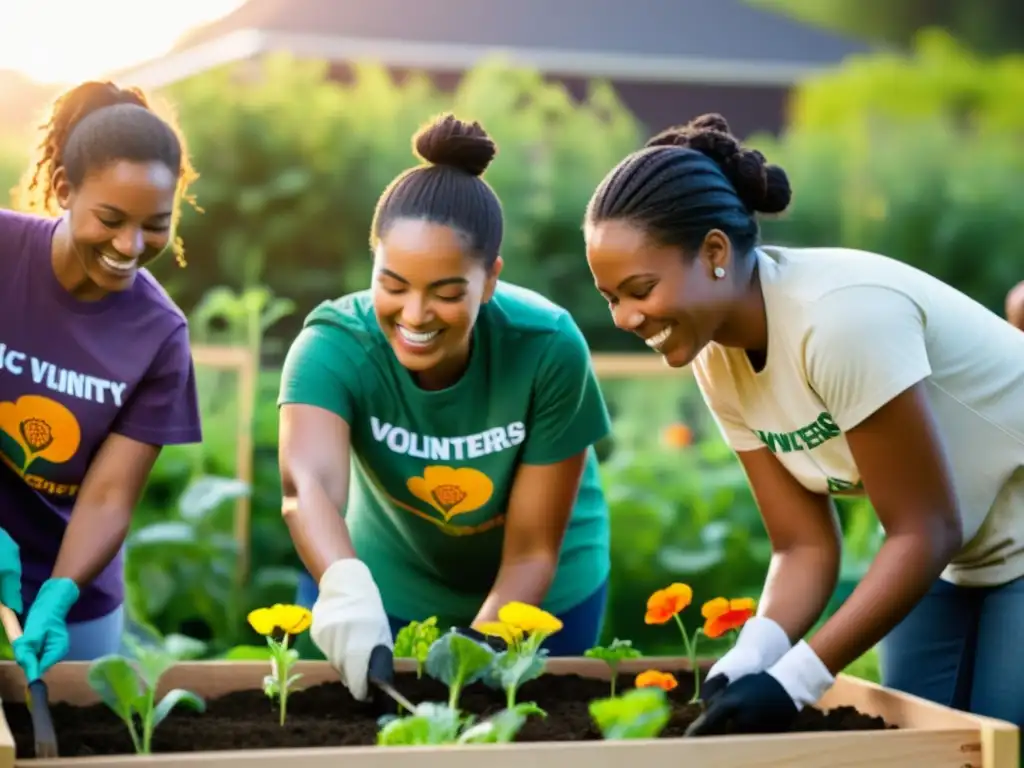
<point x="36" y="697"/>
<point x="381" y="675"/>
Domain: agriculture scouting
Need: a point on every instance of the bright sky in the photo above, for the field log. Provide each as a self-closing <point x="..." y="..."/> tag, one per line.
<point x="61" y="41"/>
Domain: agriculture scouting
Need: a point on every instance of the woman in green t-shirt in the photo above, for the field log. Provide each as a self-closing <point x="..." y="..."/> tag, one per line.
<point x="467" y="409"/>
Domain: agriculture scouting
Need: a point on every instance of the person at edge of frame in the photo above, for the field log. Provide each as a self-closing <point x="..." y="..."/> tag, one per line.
<point x="831" y="371"/>
<point x="96" y="371"/>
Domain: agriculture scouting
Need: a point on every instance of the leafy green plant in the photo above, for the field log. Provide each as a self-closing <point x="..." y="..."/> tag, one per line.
<point x="434" y="724"/>
<point x="130" y="691"/>
<point x="641" y="713"/>
<point x="612" y="655"/>
<point x="524" y="628"/>
<point x="457" y="661"/>
<point x="413" y="641"/>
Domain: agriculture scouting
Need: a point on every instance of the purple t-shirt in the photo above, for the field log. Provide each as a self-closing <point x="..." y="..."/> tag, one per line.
<point x="71" y="373"/>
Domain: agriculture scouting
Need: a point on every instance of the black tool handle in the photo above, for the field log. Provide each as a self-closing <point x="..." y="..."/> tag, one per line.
<point x="382" y="665"/>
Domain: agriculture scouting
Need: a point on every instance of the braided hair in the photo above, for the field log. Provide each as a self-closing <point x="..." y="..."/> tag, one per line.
<point x="689" y="180"/>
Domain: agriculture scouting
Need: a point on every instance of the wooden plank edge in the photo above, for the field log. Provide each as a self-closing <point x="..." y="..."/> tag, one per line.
<point x="995" y="743"/>
<point x="895" y="749"/>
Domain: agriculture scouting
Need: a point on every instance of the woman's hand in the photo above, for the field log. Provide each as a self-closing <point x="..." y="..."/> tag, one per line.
<point x="45" y="640"/>
<point x="349" y="622"/>
<point x="10" y="572"/>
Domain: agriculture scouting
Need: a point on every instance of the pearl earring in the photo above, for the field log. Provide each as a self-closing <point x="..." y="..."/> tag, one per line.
<point x="719" y="272"/>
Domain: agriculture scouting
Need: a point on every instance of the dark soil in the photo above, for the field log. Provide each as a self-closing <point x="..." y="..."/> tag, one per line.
<point x="326" y="715"/>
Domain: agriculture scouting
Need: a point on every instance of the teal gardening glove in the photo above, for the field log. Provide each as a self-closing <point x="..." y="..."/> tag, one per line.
<point x="44" y="640"/>
<point x="10" y="572"/>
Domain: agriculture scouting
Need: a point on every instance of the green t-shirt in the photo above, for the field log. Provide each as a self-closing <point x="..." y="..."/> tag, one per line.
<point x="432" y="471"/>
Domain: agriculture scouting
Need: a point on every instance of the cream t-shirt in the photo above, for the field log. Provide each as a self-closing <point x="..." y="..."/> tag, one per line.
<point x="847" y="332"/>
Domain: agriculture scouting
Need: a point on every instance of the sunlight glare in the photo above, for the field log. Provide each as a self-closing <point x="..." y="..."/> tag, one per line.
<point x="57" y="41"/>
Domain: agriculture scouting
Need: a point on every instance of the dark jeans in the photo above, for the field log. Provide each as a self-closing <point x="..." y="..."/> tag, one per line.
<point x="581" y="624"/>
<point x="960" y="647"/>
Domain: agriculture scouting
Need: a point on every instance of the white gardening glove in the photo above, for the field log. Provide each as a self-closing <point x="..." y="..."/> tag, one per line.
<point x="349" y="622"/>
<point x="761" y="643"/>
<point x="803" y="675"/>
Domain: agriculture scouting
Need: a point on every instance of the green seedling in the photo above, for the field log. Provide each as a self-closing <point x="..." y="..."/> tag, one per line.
<point x="502" y="727"/>
<point x="457" y="661"/>
<point x="435" y="724"/>
<point x="514" y="667"/>
<point x="612" y="655"/>
<point x="640" y="713"/>
<point x="280" y="682"/>
<point x="431" y="723"/>
<point x="130" y="692"/>
<point x="413" y="641"/>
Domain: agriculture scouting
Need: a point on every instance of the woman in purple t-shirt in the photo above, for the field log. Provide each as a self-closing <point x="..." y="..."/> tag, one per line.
<point x="96" y="371"/>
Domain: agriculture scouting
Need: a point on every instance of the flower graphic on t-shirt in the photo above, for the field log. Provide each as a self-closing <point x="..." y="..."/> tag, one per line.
<point x="42" y="428"/>
<point x="452" y="491"/>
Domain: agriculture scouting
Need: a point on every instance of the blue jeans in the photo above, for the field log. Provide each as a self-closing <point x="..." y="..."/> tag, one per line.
<point x="581" y="624"/>
<point x="960" y="647"/>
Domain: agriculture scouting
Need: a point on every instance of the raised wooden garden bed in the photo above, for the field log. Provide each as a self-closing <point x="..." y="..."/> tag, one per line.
<point x="326" y="729"/>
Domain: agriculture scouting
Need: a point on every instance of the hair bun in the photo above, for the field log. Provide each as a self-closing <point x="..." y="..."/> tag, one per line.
<point x="455" y="143"/>
<point x="761" y="187"/>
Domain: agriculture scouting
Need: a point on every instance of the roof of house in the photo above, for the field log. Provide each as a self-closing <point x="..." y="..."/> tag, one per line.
<point x="666" y="40"/>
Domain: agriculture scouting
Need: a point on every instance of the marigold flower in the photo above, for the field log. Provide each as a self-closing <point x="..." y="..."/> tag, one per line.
<point x="506" y="632"/>
<point x="667" y="602"/>
<point x="652" y="678"/>
<point x="528" y="618"/>
<point x="723" y="615"/>
<point x="292" y="619"/>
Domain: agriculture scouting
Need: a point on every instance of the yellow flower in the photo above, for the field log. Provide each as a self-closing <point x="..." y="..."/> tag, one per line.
<point x="506" y="632"/>
<point x="529" y="618"/>
<point x="292" y="619"/>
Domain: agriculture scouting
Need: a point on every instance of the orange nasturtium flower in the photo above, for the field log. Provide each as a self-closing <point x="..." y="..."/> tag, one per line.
<point x="677" y="436"/>
<point x="723" y="615"/>
<point x="665" y="604"/>
<point x="652" y="678"/>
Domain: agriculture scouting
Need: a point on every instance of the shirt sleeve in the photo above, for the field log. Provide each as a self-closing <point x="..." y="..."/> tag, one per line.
<point x="322" y="369"/>
<point x="863" y="347"/>
<point x="568" y="413"/>
<point x="720" y="401"/>
<point x="163" y="409"/>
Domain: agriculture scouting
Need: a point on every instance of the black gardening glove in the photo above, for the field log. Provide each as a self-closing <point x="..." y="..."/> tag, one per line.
<point x="755" y="703"/>
<point x="711" y="687"/>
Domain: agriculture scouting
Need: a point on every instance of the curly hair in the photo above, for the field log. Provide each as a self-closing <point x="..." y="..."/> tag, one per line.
<point x="95" y="124"/>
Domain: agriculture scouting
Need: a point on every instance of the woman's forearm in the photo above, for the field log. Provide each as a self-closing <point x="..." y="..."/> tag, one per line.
<point x="525" y="581"/>
<point x="93" y="537"/>
<point x="799" y="584"/>
<point x="316" y="524"/>
<point x="902" y="572"/>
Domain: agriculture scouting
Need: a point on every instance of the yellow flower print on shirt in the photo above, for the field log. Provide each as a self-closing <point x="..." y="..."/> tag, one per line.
<point x="452" y="491"/>
<point x="42" y="428"/>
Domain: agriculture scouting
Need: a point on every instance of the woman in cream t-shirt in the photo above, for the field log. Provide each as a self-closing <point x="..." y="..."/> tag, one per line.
<point x="832" y="371"/>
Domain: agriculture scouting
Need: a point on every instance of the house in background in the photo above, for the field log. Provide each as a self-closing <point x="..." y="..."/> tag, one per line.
<point x="669" y="60"/>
